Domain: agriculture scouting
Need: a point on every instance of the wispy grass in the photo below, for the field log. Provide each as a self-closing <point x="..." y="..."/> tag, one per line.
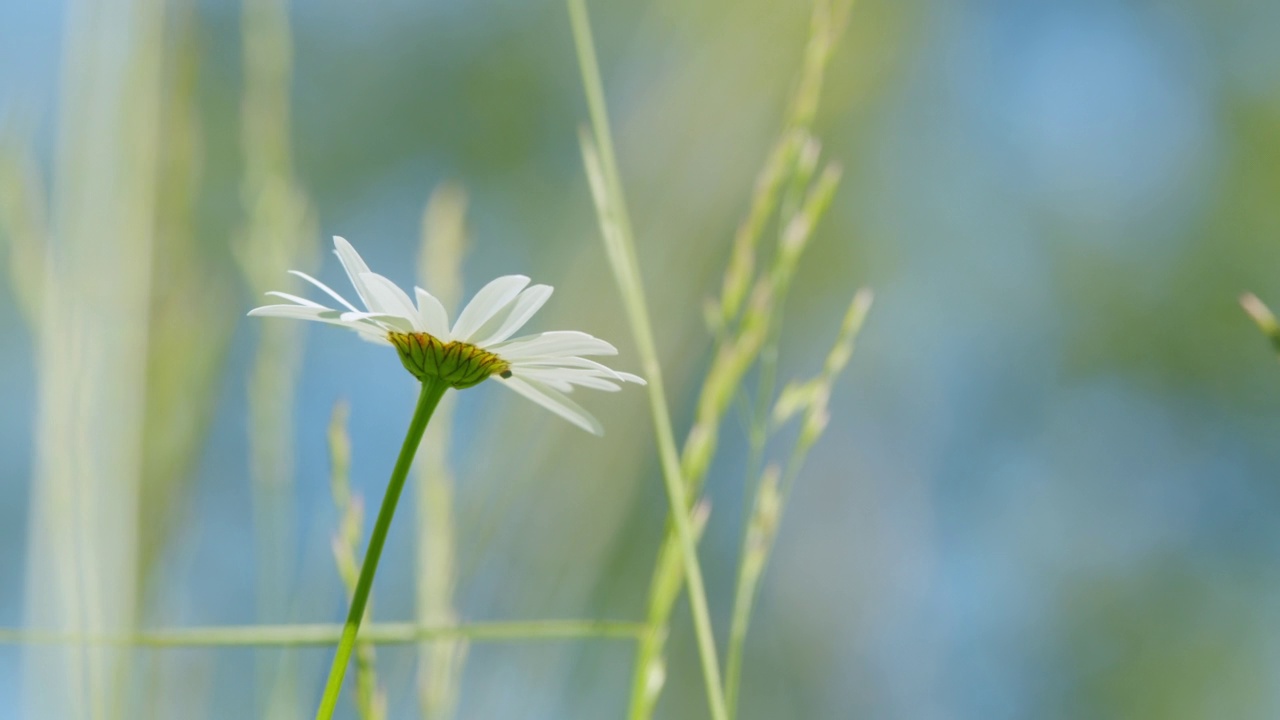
<point x="278" y="235"/>
<point x="440" y="663"/>
<point x="615" y="228"/>
<point x="186" y="328"/>
<point x="23" y="221"/>
<point x="189" y="325"/>
<point x="810" y="401"/>
<point x="371" y="701"/>
<point x="92" y="339"/>
<point x="327" y="634"/>
<point x="745" y="320"/>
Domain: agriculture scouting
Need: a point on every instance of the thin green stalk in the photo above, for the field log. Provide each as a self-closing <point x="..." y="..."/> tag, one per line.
<point x="91" y="358"/>
<point x="428" y="398"/>
<point x="23" y="220"/>
<point x="781" y="273"/>
<point x="278" y="233"/>
<point x="346" y="545"/>
<point x="733" y="359"/>
<point x="740" y="340"/>
<point x="755" y="548"/>
<point x="606" y="184"/>
<point x="304" y="635"/>
<point x="809" y="399"/>
<point x="440" y="663"/>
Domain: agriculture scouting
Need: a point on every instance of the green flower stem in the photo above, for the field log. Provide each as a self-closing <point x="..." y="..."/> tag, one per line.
<point x="428" y="398"/>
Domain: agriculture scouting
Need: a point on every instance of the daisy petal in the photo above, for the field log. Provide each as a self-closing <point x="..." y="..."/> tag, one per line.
<point x="491" y="299"/>
<point x="558" y="378"/>
<point x="526" y="304"/>
<point x="556" y="402"/>
<point x="555" y="343"/>
<point x="325" y="288"/>
<point x="393" y="300"/>
<point x="576" y="363"/>
<point x="383" y="320"/>
<point x="431" y="315"/>
<point x="371" y="333"/>
<point x="295" y="299"/>
<point x="297" y="312"/>
<point x="355" y="267"/>
<point x="559" y="384"/>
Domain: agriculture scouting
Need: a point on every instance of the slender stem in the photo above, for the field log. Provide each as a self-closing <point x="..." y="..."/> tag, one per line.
<point x="620" y="246"/>
<point x="303" y="635"/>
<point x="757" y="544"/>
<point x="428" y="398"/>
<point x="743" y="598"/>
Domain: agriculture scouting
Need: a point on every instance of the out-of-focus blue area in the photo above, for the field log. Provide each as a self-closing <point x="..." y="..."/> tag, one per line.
<point x="1048" y="489"/>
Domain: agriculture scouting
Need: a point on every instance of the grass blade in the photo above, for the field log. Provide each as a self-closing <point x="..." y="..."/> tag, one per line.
<point x="615" y="227"/>
<point x="440" y="661"/>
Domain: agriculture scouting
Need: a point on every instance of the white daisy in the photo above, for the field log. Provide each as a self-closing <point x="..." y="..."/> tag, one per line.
<point x="541" y="367"/>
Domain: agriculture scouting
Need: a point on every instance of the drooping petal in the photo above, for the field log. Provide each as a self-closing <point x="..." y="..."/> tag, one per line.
<point x="556" y="402"/>
<point x="295" y="299"/>
<point x="529" y="301"/>
<point x="491" y="299"/>
<point x="382" y="320"/>
<point x="432" y="316"/>
<point x="562" y="378"/>
<point x="321" y="314"/>
<point x="389" y="297"/>
<point x="297" y="312"/>
<point x="569" y="362"/>
<point x="355" y="267"/>
<point x="558" y="384"/>
<point x="553" y="344"/>
<point x="327" y="290"/>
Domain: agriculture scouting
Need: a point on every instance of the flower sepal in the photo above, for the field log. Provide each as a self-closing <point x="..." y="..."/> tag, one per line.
<point x="460" y="365"/>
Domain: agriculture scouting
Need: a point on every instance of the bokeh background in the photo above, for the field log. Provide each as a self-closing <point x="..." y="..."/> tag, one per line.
<point x="1048" y="489"/>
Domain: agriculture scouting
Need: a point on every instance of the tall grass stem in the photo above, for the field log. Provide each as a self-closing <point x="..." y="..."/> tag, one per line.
<point x="602" y="171"/>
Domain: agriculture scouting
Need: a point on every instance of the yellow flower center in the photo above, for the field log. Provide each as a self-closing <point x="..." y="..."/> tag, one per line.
<point x="459" y="364"/>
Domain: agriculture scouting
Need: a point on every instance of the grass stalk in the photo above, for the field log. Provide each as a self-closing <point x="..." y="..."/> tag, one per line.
<point x="346" y="544"/>
<point x="742" y="335"/>
<point x="615" y="225"/>
<point x="428" y="398"/>
<point x="91" y="342"/>
<point x="326" y="634"/>
<point x="440" y="662"/>
<point x="22" y="222"/>
<point x="277" y="235"/>
<point x="810" y="400"/>
<point x="757" y="540"/>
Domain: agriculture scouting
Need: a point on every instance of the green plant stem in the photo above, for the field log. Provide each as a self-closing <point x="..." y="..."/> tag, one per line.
<point x="774" y="489"/>
<point x="757" y="543"/>
<point x="743" y="599"/>
<point x="620" y="247"/>
<point x="428" y="398"/>
<point x="304" y="635"/>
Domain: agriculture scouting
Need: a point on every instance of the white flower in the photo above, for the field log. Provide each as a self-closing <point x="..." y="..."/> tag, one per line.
<point x="541" y="367"/>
